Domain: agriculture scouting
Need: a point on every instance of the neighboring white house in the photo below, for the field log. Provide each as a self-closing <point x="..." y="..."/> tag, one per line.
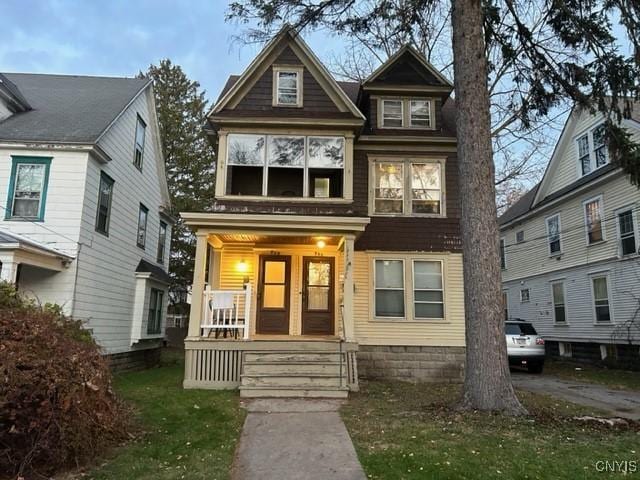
<point x="84" y="219"/>
<point x="570" y="249"/>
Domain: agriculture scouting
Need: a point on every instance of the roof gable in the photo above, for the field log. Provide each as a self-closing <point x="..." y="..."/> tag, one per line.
<point x="286" y="48"/>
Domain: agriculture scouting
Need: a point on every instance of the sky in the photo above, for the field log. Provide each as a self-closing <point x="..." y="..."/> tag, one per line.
<point x="122" y="37"/>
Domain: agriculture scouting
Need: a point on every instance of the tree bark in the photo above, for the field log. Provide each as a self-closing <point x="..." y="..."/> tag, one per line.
<point x="487" y="384"/>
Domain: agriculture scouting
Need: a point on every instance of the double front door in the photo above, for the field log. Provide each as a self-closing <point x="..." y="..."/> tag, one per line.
<point x="316" y="291"/>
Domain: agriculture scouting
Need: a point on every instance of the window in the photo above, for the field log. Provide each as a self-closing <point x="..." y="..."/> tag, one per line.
<point x="28" y="188"/>
<point x="141" y="238"/>
<point x="600" y="288"/>
<point x="138" y="155"/>
<point x="288" y="87"/>
<point x="428" y="290"/>
<point x="565" y="349"/>
<point x="389" y="288"/>
<point x="593" y="220"/>
<point x="105" y="194"/>
<point x="520" y="236"/>
<point x="505" y="304"/>
<point x="626" y="232"/>
<point x="285" y="166"/>
<point x="592" y="150"/>
<point x="553" y="234"/>
<point x="420" y="113"/>
<point x="503" y="255"/>
<point x="559" y="306"/>
<point x="162" y="241"/>
<point x="156" y="301"/>
<point x="392" y="113"/>
<point x="524" y="295"/>
<point x="422" y="180"/>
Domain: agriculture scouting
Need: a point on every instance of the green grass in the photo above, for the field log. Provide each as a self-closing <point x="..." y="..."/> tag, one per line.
<point x="407" y="431"/>
<point x="612" y="378"/>
<point x="183" y="434"/>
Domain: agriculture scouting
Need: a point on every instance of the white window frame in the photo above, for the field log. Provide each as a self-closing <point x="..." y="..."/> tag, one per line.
<point x="407" y="205"/>
<point x="591" y="151"/>
<point x="382" y="112"/>
<point x="636" y="230"/>
<point x="299" y="71"/>
<point x="413" y="289"/>
<point x="528" y="290"/>
<point x="606" y="276"/>
<point x="405" y="108"/>
<point x="553" y="302"/>
<point x="429" y="105"/>
<point x="404" y="287"/>
<point x="600" y="200"/>
<point x="546" y="222"/>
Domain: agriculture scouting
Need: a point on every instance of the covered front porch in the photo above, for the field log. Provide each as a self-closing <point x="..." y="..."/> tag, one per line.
<point x="272" y="290"/>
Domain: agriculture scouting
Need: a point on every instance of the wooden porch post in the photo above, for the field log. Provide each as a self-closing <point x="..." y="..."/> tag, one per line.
<point x="347" y="297"/>
<point x="197" y="288"/>
<point x="9" y="269"/>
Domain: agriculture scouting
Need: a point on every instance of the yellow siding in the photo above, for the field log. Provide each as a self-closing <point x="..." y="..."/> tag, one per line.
<point x="371" y="331"/>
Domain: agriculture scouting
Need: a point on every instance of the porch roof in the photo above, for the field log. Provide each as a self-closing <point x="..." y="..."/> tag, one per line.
<point x="20" y="249"/>
<point x="275" y="224"/>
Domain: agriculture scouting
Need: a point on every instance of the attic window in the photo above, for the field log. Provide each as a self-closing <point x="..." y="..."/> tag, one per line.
<point x="287" y="87"/>
<point x="414" y="113"/>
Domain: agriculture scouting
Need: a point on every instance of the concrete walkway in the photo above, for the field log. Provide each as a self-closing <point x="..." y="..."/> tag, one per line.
<point x="618" y="403"/>
<point x="287" y="439"/>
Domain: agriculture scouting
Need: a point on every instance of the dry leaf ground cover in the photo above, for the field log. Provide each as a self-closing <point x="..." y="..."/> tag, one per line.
<point x="182" y="434"/>
<point x="408" y="431"/>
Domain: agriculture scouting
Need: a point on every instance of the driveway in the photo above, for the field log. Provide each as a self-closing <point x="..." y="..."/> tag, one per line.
<point x="618" y="403"/>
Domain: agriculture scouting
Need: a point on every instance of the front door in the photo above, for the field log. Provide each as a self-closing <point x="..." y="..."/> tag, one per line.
<point x="318" y="296"/>
<point x="273" y="295"/>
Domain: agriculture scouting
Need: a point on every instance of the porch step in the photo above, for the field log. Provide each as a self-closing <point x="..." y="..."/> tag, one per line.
<point x="291" y="357"/>
<point x="299" y="392"/>
<point x="284" y="368"/>
<point x="291" y="380"/>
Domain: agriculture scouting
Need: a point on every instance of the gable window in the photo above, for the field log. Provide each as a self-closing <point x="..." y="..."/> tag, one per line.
<point x="420" y="113"/>
<point x="392" y="113"/>
<point x="553" y="234"/>
<point x="524" y="295"/>
<point x="285" y="166"/>
<point x="141" y="237"/>
<point x="28" y="188"/>
<point x="105" y="194"/>
<point x="162" y="241"/>
<point x="503" y="255"/>
<point x="627" y="232"/>
<point x="601" y="303"/>
<point x="405" y="113"/>
<point x="428" y="290"/>
<point x="154" y="321"/>
<point x="389" y="288"/>
<point x="287" y="87"/>
<point x="559" y="306"/>
<point x="592" y="150"/>
<point x="421" y="180"/>
<point x="138" y="155"/>
<point x="593" y="220"/>
<point x="520" y="236"/>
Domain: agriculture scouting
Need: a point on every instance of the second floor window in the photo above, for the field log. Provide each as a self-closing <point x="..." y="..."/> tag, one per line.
<point x="553" y="235"/>
<point x="287" y="87"/>
<point x="407" y="188"/>
<point x="28" y="188"/>
<point x="141" y="237"/>
<point x="592" y="150"/>
<point x="105" y="195"/>
<point x="138" y="155"/>
<point x="627" y="232"/>
<point x="593" y="220"/>
<point x="162" y="242"/>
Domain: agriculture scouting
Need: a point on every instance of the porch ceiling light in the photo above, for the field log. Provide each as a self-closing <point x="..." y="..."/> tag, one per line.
<point x="242" y="266"/>
<point x="321" y="244"/>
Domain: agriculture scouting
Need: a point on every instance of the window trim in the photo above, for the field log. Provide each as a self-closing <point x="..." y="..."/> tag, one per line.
<point x="593" y="276"/>
<point x="600" y="199"/>
<point x="553" y="302"/>
<point x="142" y="245"/>
<point x="407" y="205"/>
<point x="636" y="230"/>
<point x="160" y="254"/>
<point x="299" y="71"/>
<point x="503" y="253"/>
<point x="591" y="150"/>
<point x="546" y="222"/>
<point x="105" y="177"/>
<point x="528" y="290"/>
<point x="160" y="294"/>
<point x="405" y="102"/>
<point x="382" y="112"/>
<point x="139" y="121"/>
<point x="27" y="160"/>
<point x="413" y="290"/>
<point x="404" y="288"/>
<point x="523" y="237"/>
<point x="429" y="102"/>
<point x="506" y="304"/>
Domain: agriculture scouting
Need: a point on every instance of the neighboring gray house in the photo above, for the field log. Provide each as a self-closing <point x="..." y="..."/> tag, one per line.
<point x="570" y="249"/>
<point x="84" y="204"/>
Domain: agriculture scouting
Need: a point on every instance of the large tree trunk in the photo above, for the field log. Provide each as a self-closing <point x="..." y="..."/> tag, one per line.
<point x="487" y="384"/>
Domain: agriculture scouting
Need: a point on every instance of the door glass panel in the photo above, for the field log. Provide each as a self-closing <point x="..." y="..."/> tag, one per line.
<point x="318" y="298"/>
<point x="274" y="271"/>
<point x="273" y="296"/>
<point x="319" y="273"/>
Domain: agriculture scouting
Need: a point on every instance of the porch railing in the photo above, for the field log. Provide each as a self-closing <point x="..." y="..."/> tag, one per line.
<point x="226" y="311"/>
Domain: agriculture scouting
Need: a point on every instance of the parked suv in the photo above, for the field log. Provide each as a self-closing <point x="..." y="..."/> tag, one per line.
<point x="524" y="346"/>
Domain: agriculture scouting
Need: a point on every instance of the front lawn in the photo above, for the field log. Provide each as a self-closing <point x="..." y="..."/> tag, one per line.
<point x="184" y="434"/>
<point x="407" y="431"/>
<point x="612" y="378"/>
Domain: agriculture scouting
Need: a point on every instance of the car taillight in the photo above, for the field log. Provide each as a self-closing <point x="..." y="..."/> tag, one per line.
<point x="539" y="341"/>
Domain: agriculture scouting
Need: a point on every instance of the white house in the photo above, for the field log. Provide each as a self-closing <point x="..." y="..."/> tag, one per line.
<point x="570" y="249"/>
<point x="84" y="219"/>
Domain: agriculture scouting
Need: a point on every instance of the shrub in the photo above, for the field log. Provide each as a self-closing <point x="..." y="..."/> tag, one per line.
<point x="57" y="406"/>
